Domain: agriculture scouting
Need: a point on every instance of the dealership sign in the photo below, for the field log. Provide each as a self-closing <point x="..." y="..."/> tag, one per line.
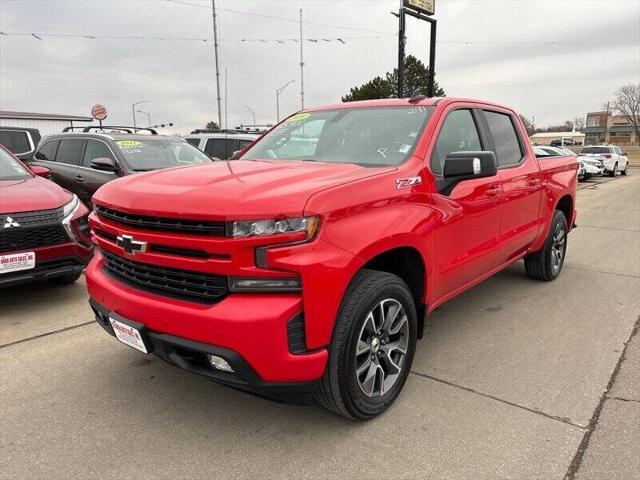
<point x="423" y="6"/>
<point x="99" y="112"/>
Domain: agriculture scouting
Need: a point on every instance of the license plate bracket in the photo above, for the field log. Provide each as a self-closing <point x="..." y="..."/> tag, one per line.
<point x="129" y="332"/>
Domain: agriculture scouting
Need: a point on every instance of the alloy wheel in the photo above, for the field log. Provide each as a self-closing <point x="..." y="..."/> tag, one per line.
<point x="382" y="347"/>
<point x="558" y="246"/>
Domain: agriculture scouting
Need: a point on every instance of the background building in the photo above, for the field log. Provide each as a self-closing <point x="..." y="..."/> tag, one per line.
<point x="545" y="138"/>
<point x="603" y="127"/>
<point x="47" y="123"/>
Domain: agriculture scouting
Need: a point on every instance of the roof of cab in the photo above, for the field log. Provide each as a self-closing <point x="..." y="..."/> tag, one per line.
<point x="395" y="102"/>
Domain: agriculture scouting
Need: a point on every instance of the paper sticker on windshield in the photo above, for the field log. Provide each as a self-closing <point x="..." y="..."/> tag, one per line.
<point x="128" y="143"/>
<point x="298" y="117"/>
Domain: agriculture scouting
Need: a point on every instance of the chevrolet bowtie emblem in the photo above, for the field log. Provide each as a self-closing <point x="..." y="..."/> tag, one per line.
<point x="129" y="245"/>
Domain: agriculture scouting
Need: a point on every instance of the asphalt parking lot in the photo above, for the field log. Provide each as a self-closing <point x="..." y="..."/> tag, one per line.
<point x="507" y="381"/>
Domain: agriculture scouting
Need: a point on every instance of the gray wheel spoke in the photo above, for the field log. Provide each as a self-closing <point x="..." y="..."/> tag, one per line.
<point x="362" y="347"/>
<point x="369" y="382"/>
<point x="391" y="315"/>
<point x="398" y="326"/>
<point x="370" y="323"/>
<point x="397" y="346"/>
<point x="364" y="366"/>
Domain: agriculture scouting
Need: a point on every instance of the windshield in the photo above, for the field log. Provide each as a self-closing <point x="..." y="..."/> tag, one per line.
<point x="365" y="136"/>
<point x="153" y="154"/>
<point x="596" y="150"/>
<point x="10" y="168"/>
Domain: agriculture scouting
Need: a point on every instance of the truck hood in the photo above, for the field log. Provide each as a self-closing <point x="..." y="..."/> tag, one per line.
<point x="239" y="189"/>
<point x="31" y="194"/>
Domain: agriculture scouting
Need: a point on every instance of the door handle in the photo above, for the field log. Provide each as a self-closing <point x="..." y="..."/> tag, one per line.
<point x="493" y="190"/>
<point x="79" y="178"/>
<point x="533" y="183"/>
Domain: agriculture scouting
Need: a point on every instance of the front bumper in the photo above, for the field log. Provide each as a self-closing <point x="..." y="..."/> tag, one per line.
<point x="253" y="326"/>
<point x="192" y="356"/>
<point x="51" y="262"/>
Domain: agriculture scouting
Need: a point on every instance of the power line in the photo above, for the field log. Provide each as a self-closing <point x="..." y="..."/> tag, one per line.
<point x="275" y="17"/>
<point x="341" y="40"/>
<point x="41" y="36"/>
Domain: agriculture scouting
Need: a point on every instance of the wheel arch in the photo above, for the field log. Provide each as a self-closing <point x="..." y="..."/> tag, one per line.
<point x="408" y="263"/>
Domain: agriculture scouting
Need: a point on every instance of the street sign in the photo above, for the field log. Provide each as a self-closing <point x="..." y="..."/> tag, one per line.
<point x="99" y="112"/>
<point x="423" y="6"/>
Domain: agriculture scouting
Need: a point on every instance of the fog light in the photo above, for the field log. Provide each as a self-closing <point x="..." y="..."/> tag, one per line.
<point x="219" y="363"/>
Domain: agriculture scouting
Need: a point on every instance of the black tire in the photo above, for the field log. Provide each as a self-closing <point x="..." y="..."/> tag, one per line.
<point x="66" y="279"/>
<point x="340" y="389"/>
<point x="626" y="167"/>
<point x="544" y="265"/>
<point x="614" y="172"/>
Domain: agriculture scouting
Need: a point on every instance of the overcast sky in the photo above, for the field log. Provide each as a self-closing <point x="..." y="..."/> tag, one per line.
<point x="507" y="59"/>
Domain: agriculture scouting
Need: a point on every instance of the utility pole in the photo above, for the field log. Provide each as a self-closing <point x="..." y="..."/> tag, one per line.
<point x="215" y="47"/>
<point x="301" y="66"/>
<point x="133" y="110"/>
<point x="226" y="98"/>
<point x="253" y="114"/>
<point x="401" y="43"/>
<point x="278" y="92"/>
<point x="606" y="125"/>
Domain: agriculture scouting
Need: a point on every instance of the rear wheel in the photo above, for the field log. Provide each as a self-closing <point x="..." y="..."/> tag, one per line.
<point x="372" y="348"/>
<point x="547" y="264"/>
<point x="614" y="172"/>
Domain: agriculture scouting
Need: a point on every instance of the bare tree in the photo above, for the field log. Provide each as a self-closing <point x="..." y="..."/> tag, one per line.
<point x="627" y="103"/>
<point x="579" y="124"/>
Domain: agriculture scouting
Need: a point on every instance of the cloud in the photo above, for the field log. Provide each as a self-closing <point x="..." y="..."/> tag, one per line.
<point x="596" y="52"/>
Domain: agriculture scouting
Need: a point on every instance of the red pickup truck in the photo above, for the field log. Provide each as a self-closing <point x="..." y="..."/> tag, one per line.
<point x="306" y="267"/>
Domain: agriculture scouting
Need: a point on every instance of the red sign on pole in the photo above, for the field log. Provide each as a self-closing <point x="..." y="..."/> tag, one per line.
<point x="99" y="112"/>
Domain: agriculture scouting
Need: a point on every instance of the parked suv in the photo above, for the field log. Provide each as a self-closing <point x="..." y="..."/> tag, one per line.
<point x="20" y="141"/>
<point x="307" y="266"/>
<point x="615" y="160"/>
<point x="44" y="234"/>
<point x="221" y="145"/>
<point x="83" y="162"/>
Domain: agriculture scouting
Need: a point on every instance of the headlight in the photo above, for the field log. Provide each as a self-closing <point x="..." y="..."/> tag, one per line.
<point x="259" y="228"/>
<point x="68" y="211"/>
<point x="70" y="208"/>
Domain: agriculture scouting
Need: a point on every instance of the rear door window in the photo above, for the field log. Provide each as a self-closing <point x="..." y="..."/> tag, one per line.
<point x="458" y="134"/>
<point x="16" y="141"/>
<point x="507" y="145"/>
<point x="193" y="141"/>
<point x="96" y="149"/>
<point x="217" y="147"/>
<point x="70" y="151"/>
<point x="48" y="151"/>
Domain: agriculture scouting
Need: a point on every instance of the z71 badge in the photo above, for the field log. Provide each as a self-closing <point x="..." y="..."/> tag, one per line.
<point x="408" y="182"/>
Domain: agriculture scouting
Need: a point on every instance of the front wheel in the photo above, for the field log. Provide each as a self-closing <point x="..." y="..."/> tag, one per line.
<point x="372" y="349"/>
<point x="626" y="167"/>
<point x="547" y="263"/>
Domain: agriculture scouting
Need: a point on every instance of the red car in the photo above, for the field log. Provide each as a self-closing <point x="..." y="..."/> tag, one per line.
<point x="306" y="267"/>
<point x="44" y="233"/>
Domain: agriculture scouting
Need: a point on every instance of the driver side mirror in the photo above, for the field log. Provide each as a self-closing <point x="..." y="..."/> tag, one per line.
<point x="461" y="166"/>
<point x="43" y="172"/>
<point x="104" y="164"/>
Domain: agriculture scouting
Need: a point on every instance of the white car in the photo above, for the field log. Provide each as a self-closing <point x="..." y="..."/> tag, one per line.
<point x="615" y="160"/>
<point x="589" y="166"/>
<point x="221" y="145"/>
